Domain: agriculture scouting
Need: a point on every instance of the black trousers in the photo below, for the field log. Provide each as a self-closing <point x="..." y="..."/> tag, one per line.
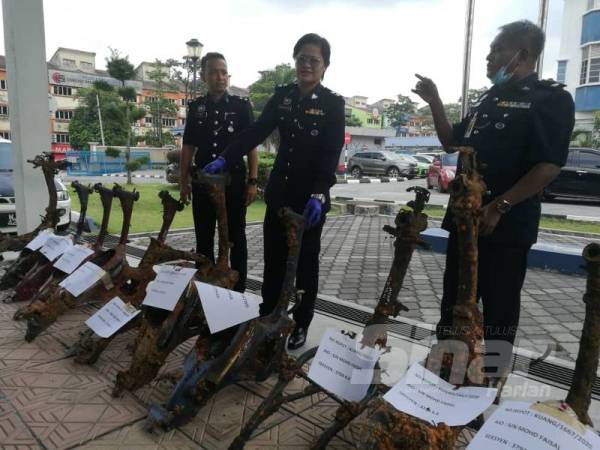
<point x="307" y="274"/>
<point x="205" y="218"/>
<point x="501" y="273"/>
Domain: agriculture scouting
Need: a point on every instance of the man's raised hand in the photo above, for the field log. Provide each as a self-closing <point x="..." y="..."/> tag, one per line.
<point x="426" y="89"/>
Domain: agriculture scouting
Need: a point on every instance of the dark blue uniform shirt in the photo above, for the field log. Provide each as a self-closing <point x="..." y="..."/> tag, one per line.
<point x="211" y="126"/>
<point x="512" y="128"/>
<point x="311" y="132"/>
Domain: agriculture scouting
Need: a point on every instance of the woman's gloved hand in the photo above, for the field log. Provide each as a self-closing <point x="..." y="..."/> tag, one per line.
<point x="216" y="166"/>
<point x="312" y="212"/>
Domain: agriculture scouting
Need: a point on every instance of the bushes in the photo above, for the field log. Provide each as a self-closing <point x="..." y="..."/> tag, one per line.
<point x="265" y="165"/>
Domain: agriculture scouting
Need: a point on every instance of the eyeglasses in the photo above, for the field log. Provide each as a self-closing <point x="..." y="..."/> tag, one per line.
<point x="310" y="60"/>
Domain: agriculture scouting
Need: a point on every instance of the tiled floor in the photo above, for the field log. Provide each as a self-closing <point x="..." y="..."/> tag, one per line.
<point x="49" y="402"/>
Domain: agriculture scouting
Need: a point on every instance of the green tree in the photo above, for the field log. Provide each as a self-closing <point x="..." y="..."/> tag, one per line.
<point x="121" y="69"/>
<point x="160" y="107"/>
<point x="85" y="125"/>
<point x="400" y="111"/>
<point x="596" y="131"/>
<point x="262" y="89"/>
<point x="353" y="121"/>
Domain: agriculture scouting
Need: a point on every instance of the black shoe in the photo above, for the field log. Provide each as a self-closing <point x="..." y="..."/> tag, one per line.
<point x="297" y="339"/>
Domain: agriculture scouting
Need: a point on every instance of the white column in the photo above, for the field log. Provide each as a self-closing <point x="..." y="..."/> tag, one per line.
<point x="27" y="75"/>
<point x="470" y="17"/>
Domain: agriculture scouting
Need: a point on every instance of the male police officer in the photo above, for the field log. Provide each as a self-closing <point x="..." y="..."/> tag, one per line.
<point x="212" y="122"/>
<point x="520" y="130"/>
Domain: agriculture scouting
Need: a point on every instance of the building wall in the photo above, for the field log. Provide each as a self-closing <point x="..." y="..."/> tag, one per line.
<point x="367" y="119"/>
<point x="580" y="29"/>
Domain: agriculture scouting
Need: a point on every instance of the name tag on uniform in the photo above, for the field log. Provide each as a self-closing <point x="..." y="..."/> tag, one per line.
<point x="314" y="112"/>
<point x="519" y="105"/>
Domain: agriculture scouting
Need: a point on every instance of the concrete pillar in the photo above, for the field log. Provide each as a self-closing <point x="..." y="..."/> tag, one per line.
<point x="27" y="75"/>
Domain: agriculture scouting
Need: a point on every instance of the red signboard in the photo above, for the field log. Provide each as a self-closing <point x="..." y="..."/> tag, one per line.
<point x="347" y="138"/>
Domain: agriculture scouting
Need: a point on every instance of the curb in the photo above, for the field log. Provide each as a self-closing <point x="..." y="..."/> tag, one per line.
<point x="371" y="180"/>
<point x="390" y="207"/>
<point x="122" y="175"/>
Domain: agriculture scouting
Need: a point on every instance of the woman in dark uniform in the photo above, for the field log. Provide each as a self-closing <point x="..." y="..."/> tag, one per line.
<point x="311" y="123"/>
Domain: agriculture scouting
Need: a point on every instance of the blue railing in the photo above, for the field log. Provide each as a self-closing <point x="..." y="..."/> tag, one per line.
<point x="97" y="163"/>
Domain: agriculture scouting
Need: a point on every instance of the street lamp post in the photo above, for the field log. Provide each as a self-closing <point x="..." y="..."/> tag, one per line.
<point x="194" y="48"/>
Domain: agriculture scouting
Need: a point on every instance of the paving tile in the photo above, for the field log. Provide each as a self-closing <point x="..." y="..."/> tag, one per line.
<point x="14" y="434"/>
<point x="134" y="437"/>
<point x="65" y="404"/>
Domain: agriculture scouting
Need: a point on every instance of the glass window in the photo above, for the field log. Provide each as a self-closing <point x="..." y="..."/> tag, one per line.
<point x="583" y="77"/>
<point x="571" y="159"/>
<point x="589" y="160"/>
<point x="594" y="76"/>
<point x="3" y="85"/>
<point x="561" y="73"/>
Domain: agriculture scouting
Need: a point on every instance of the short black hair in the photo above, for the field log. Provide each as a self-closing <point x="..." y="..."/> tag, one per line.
<point x="208" y="57"/>
<point x="315" y="39"/>
<point x="526" y="35"/>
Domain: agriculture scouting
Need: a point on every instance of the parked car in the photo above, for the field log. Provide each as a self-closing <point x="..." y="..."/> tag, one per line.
<point x="8" y="216"/>
<point x="424" y="158"/>
<point x="381" y="162"/>
<point x="579" y="178"/>
<point x="422" y="167"/>
<point x="442" y="171"/>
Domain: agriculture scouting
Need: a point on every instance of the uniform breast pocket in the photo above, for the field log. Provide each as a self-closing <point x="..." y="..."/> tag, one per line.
<point x="313" y="126"/>
<point x="510" y="124"/>
<point x="231" y="123"/>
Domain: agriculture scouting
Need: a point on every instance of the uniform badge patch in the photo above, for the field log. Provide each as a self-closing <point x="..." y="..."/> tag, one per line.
<point x="287" y="101"/>
<point x="314" y="112"/>
<point x="500" y="126"/>
<point x="519" y="105"/>
<point x="314" y="133"/>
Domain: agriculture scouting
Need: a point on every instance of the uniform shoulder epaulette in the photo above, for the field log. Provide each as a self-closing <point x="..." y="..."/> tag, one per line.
<point x="551" y="84"/>
<point x="239" y="97"/>
<point x="333" y="93"/>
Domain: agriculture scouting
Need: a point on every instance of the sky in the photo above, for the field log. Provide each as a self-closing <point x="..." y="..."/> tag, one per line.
<point x="377" y="45"/>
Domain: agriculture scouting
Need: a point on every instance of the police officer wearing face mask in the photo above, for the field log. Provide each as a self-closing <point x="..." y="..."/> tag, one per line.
<point x="521" y="130"/>
<point x="310" y="120"/>
<point x="213" y="120"/>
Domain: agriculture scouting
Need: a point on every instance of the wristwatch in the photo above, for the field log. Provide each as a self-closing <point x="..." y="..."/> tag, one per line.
<point x="503" y="206"/>
<point x="252" y="181"/>
<point x="320" y="197"/>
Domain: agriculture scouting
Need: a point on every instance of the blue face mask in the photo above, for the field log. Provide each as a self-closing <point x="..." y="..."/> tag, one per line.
<point x="502" y="76"/>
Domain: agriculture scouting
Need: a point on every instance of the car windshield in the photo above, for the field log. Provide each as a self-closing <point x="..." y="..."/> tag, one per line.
<point x="6" y="164"/>
<point x="407" y="158"/>
<point x="450" y="159"/>
<point x="422" y="159"/>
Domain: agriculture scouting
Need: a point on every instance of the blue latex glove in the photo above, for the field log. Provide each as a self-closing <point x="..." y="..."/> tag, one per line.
<point x="312" y="212"/>
<point x="216" y="166"/>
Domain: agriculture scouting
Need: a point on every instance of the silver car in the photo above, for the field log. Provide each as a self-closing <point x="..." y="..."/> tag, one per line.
<point x="381" y="162"/>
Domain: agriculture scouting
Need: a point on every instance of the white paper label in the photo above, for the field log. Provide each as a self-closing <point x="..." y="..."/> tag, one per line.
<point x="224" y="308"/>
<point x="39" y="240"/>
<point x="56" y="246"/>
<point x="423" y="394"/>
<point x="72" y="258"/>
<point x="167" y="287"/>
<point x="111" y="317"/>
<point x="519" y="425"/>
<point x="82" y="279"/>
<point x="343" y="366"/>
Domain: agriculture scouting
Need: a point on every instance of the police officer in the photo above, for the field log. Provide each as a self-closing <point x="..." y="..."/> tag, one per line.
<point x="521" y="130"/>
<point x="213" y="121"/>
<point x="310" y="120"/>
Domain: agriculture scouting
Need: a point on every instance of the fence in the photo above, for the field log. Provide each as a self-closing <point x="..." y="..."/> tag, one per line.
<point x="97" y="163"/>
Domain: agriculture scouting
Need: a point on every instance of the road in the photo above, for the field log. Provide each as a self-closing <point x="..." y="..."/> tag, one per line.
<point x="397" y="192"/>
<point x="382" y="191"/>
